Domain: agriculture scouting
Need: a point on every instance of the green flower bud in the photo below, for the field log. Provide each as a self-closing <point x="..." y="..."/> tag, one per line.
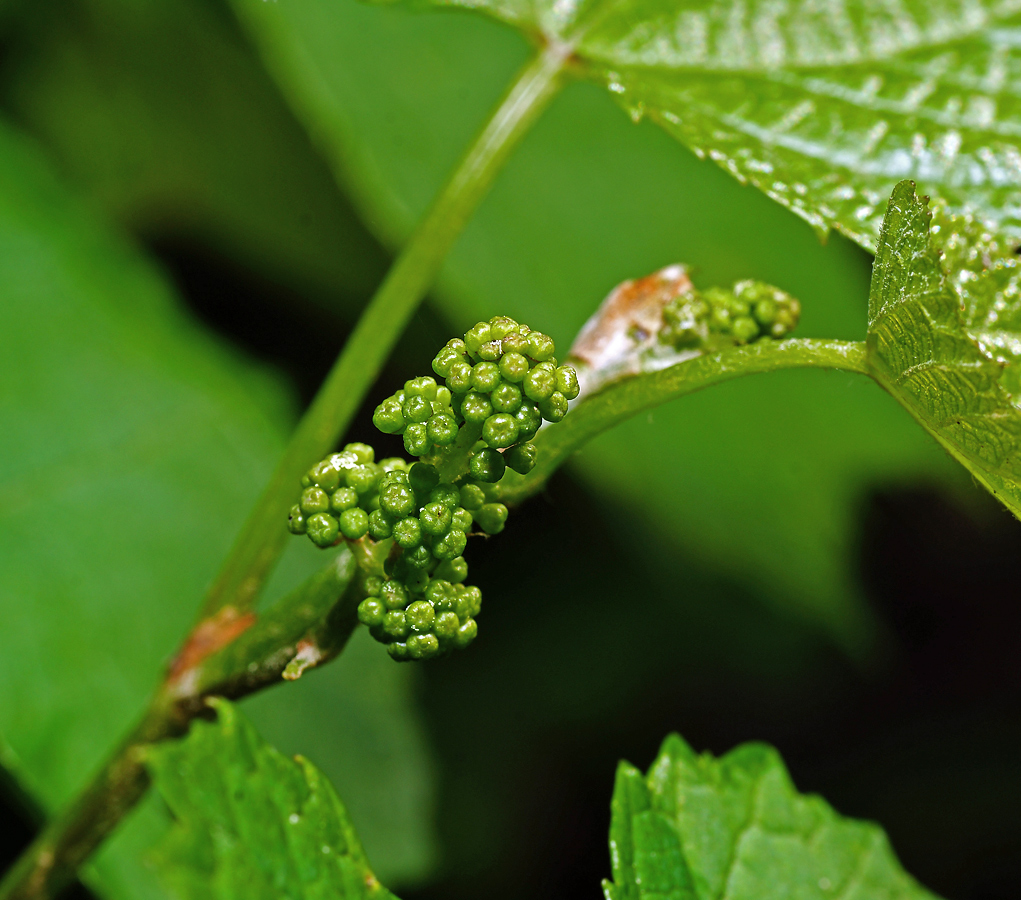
<point x="460" y="378"/>
<point x="440" y="594"/>
<point x="420" y="616"/>
<point x="476" y="408"/>
<point x="491" y="517"/>
<point x="485" y="377"/>
<point x="354" y="523"/>
<point x="567" y="382"/>
<point x="466" y="634"/>
<point x="417" y="580"/>
<point x="451" y="545"/>
<point x="395" y="624"/>
<point x="468" y="603"/>
<point x="394" y="595"/>
<point x="417" y="409"/>
<point x="516" y="342"/>
<point x="529" y="419"/>
<point x="407" y="532"/>
<point x="423" y="646"/>
<point x="744" y="329"/>
<point x="521" y="457"/>
<point x="452" y="570"/>
<point x="325" y="476"/>
<point x="380" y="525"/>
<point x="442" y="429"/>
<point x="513" y="366"/>
<point x="423" y="478"/>
<point x="419" y="557"/>
<point x="322" y="529"/>
<point x="435" y="518"/>
<point x="416" y="440"/>
<point x="554" y="408"/>
<point x="314" y="500"/>
<point x="397" y="500"/>
<point x="487" y="465"/>
<point x="453" y="352"/>
<point x="389" y="417"/>
<point x="501" y="326"/>
<point x="371" y="612"/>
<point x="364" y="478"/>
<point x="446" y="494"/>
<point x="506" y="398"/>
<point x="540" y="346"/>
<point x="392" y="464"/>
<point x="476" y="336"/>
<point x="343" y="498"/>
<point x="363" y="453"/>
<point x="295" y="520"/>
<point x="490" y="351"/>
<point x="500" y="430"/>
<point x="539" y="384"/>
<point x="373" y="585"/>
<point x="398" y="651"/>
<point x="462" y="520"/>
<point x="446" y="625"/>
<point x="421" y="387"/>
<point x="472" y="496"/>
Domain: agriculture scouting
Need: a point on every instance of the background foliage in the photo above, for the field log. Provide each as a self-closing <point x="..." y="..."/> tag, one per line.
<point x="798" y="561"/>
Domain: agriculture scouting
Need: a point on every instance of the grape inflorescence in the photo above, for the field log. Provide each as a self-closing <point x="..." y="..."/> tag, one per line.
<point x="500" y="382"/>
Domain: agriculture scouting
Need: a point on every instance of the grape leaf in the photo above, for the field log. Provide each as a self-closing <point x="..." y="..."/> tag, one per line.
<point x="252" y="823"/>
<point x="936" y="351"/>
<point x="133" y="444"/>
<point x="736" y="828"/>
<point x="824" y="106"/>
<point x="587" y="202"/>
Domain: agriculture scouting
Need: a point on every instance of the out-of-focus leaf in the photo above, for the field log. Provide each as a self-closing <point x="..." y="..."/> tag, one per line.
<point x="160" y="113"/>
<point x="588" y="201"/>
<point x="736" y="828"/>
<point x="921" y="351"/>
<point x="252" y="823"/>
<point x="133" y="443"/>
<point x="824" y="107"/>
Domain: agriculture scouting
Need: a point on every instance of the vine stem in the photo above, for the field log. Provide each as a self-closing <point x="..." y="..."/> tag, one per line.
<point x="52" y="860"/>
<point x="262" y="537"/>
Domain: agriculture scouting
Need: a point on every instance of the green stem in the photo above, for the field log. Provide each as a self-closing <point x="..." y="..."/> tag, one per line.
<point x="620" y="400"/>
<point x="263" y="534"/>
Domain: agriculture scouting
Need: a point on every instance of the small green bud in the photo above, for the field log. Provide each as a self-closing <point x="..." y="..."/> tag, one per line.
<point x="389" y="417"/>
<point x="363" y="453"/>
<point x="440" y="594"/>
<point x="442" y="430"/>
<point x="567" y="382"/>
<point x="540" y="346"/>
<point x="453" y="352"/>
<point x="539" y="384"/>
<point x="529" y="419"/>
<point x="394" y="595"/>
<point x="423" y="646"/>
<point x="416" y="440"/>
<point x="322" y="529"/>
<point x="295" y="520"/>
<point x="500" y="430"/>
<point x="491" y="518"/>
<point x="325" y="476"/>
<point x="516" y="342"/>
<point x="476" y="336"/>
<point x="341" y="499"/>
<point x="554" y="408"/>
<point x="462" y="520"/>
<point x="419" y="557"/>
<point x="521" y="457"/>
<point x="407" y="532"/>
<point x="446" y="626"/>
<point x="485" y="377"/>
<point x="423" y="478"/>
<point x="487" y="465"/>
<point x="373" y="585"/>
<point x="392" y="464"/>
<point x="364" y="478"/>
<point x="435" y="518"/>
<point x="417" y="409"/>
<point x="314" y="500"/>
<point x="744" y="329"/>
<point x="452" y="570"/>
<point x="472" y="496"/>
<point x="446" y="494"/>
<point x="460" y="378"/>
<point x="513" y="366"/>
<point x="397" y="500"/>
<point x="421" y="387"/>
<point x="420" y="616"/>
<point x="417" y="580"/>
<point x="469" y="602"/>
<point x="490" y="351"/>
<point x="395" y="624"/>
<point x="398" y="651"/>
<point x="371" y="612"/>
<point x="354" y="523"/>
<point x="476" y="408"/>
<point x="506" y="398"/>
<point x="380" y="525"/>
<point x="466" y="634"/>
<point x="451" y="545"/>
<point x="501" y="326"/>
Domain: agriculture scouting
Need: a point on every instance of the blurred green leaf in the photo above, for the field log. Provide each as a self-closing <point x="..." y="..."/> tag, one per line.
<point x="823" y="107"/>
<point x="737" y="829"/>
<point x="252" y="823"/>
<point x="588" y="201"/>
<point x="920" y="350"/>
<point x="159" y="112"/>
<point x="133" y="445"/>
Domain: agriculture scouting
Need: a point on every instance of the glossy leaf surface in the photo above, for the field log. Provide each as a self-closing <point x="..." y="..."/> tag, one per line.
<point x="735" y="828"/>
<point x="249" y="822"/>
<point x="947" y="357"/>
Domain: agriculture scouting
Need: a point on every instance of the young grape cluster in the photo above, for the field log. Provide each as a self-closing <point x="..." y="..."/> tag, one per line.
<point x="501" y="381"/>
<point x="749" y="311"/>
